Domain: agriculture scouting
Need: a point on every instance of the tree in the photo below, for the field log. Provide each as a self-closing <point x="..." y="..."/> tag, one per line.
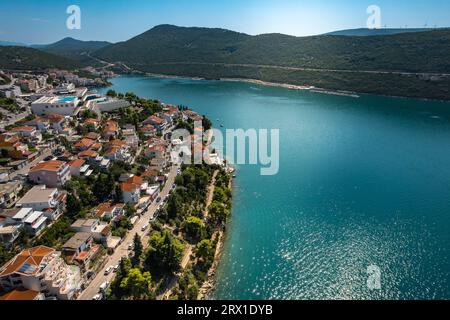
<point x="204" y="249"/>
<point x="136" y="285"/>
<point x="188" y="286"/>
<point x="217" y="213"/>
<point x="73" y="205"/>
<point x="137" y="249"/>
<point x="165" y="252"/>
<point x="104" y="186"/>
<point x="118" y="196"/>
<point x="111" y="93"/>
<point x="194" y="227"/>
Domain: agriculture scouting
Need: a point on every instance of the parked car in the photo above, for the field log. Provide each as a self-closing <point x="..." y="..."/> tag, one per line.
<point x="144" y="227"/>
<point x="116" y="267"/>
<point x="104" y="286"/>
<point x="158" y="200"/>
<point x="130" y="246"/>
<point x="109" y="270"/>
<point x="98" y="296"/>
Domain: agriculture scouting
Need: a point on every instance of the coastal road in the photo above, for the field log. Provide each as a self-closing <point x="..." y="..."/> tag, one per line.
<point x="122" y="250"/>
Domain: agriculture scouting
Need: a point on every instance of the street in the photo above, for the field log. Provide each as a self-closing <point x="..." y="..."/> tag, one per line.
<point x="122" y="250"/>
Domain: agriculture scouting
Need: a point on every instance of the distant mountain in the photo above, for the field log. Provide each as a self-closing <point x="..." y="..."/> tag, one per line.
<point x="73" y="45"/>
<point x="74" y="49"/>
<point x="23" y="58"/>
<point x="364" y="32"/>
<point x="9" y="43"/>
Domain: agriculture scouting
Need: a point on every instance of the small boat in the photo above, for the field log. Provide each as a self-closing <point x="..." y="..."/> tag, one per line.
<point x="221" y="125"/>
<point x="234" y="176"/>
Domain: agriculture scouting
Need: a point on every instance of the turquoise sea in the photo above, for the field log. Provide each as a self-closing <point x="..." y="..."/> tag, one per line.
<point x="362" y="182"/>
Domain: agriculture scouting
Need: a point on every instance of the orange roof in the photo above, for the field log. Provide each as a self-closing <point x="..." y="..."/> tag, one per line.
<point x="129" y="187"/>
<point x="154" y="119"/>
<point x="88" y="154"/>
<point x="84" y="143"/>
<point x="136" y="180"/>
<point x="32" y="257"/>
<point x="77" y="163"/>
<point x="23" y="128"/>
<point x="20" y="294"/>
<point x="53" y="165"/>
<point x="111" y="126"/>
<point x="116" y="143"/>
<point x="106" y="207"/>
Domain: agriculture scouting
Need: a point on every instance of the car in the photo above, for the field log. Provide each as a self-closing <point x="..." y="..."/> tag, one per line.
<point x="145" y="226"/>
<point x="104" y="286"/>
<point x="158" y="200"/>
<point x="109" y="270"/>
<point x="48" y="158"/>
<point x="98" y="296"/>
<point x="174" y="186"/>
<point x="116" y="267"/>
<point x="130" y="246"/>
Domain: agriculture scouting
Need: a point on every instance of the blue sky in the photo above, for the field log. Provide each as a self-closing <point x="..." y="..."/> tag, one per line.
<point x="44" y="21"/>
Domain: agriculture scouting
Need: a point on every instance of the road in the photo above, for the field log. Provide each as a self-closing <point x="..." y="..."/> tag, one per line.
<point x="122" y="251"/>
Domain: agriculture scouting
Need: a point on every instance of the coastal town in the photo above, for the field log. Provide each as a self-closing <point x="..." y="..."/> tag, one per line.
<point x="92" y="204"/>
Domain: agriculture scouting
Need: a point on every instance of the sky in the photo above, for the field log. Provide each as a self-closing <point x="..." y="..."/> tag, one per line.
<point x="44" y="21"/>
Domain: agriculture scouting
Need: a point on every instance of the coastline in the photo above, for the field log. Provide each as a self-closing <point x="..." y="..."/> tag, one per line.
<point x="264" y="83"/>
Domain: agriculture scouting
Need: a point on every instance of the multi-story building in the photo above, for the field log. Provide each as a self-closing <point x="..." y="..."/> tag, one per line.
<point x="41" y="269"/>
<point x="9" y="193"/>
<point x="28" y="133"/>
<point x="66" y="106"/>
<point x="51" y="201"/>
<point x="131" y="192"/>
<point x="51" y="173"/>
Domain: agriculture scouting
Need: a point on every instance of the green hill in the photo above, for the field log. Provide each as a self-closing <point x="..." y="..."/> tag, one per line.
<point x="75" y="49"/>
<point x="23" y="58"/>
<point x="352" y="63"/>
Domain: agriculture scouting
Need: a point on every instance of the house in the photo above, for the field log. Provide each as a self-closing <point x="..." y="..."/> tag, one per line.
<point x="11" y="145"/>
<point x="22" y="295"/>
<point x="79" y="168"/>
<point x="100" y="231"/>
<point x="89" y="155"/>
<point x="28" y="133"/>
<point x="51" y="201"/>
<point x="91" y="121"/>
<point x="138" y="181"/>
<point x="155" y="151"/>
<point x="80" y="249"/>
<point x="58" y="123"/>
<point x="41" y="269"/>
<point x="41" y="123"/>
<point x="158" y="123"/>
<point x="131" y="192"/>
<point x="148" y="131"/>
<point x="111" y="130"/>
<point x="110" y="210"/>
<point x="131" y="137"/>
<point x="33" y="221"/>
<point x="51" y="173"/>
<point x="118" y="150"/>
<point x="9" y="193"/>
<point x="84" y="144"/>
<point x="9" y="233"/>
